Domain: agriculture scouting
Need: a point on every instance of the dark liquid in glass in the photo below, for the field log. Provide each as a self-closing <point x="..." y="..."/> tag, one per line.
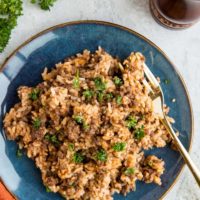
<point x="176" y="13"/>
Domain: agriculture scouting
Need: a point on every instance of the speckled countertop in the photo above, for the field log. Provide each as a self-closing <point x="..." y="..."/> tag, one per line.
<point x="183" y="48"/>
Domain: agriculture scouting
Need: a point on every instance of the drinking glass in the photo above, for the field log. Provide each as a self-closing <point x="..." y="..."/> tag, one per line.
<point x="176" y="14"/>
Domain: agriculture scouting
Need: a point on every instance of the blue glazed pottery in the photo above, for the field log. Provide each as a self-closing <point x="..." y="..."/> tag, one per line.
<point x="24" y="67"/>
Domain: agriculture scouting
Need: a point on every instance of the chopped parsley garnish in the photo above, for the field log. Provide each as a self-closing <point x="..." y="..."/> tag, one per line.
<point x="36" y="123"/>
<point x="19" y="153"/>
<point x="88" y="94"/>
<point x="100" y="96"/>
<point x="167" y="81"/>
<point x="78" y="157"/>
<point x="48" y="189"/>
<point x="71" y="147"/>
<point x="139" y="133"/>
<point x="85" y="126"/>
<point x="52" y="138"/>
<point x="101" y="155"/>
<point x="131" y="122"/>
<point x="34" y="94"/>
<point x="109" y="96"/>
<point x="118" y="81"/>
<point x="119" y="146"/>
<point x="129" y="171"/>
<point x="47" y="137"/>
<point x="76" y="81"/>
<point x="119" y="99"/>
<point x="99" y="84"/>
<point x="78" y="119"/>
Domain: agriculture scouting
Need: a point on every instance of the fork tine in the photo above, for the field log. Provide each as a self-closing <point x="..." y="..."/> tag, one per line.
<point x="151" y="77"/>
<point x="147" y="86"/>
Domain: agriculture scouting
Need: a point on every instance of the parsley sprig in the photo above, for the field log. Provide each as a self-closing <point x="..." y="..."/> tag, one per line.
<point x="139" y="133"/>
<point x="80" y="120"/>
<point x="119" y="146"/>
<point x="52" y="138"/>
<point x="118" y="81"/>
<point x="118" y="99"/>
<point x="36" y="123"/>
<point x="44" y="4"/>
<point x="34" y="94"/>
<point x="76" y="80"/>
<point x="19" y="153"/>
<point x="99" y="84"/>
<point x="48" y="189"/>
<point x="101" y="155"/>
<point x="71" y="146"/>
<point x="131" y="122"/>
<point x="10" y="10"/>
<point x="129" y="171"/>
<point x="109" y="96"/>
<point x="88" y="94"/>
<point x="78" y="157"/>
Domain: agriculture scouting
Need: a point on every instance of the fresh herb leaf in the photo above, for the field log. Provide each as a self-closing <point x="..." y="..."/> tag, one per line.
<point x="34" y="94"/>
<point x="119" y="99"/>
<point x="99" y="84"/>
<point x="139" y="133"/>
<point x="131" y="122"/>
<point x="71" y="147"/>
<point x="36" y="123"/>
<point x="10" y="10"/>
<point x="100" y="96"/>
<point x="119" y="146"/>
<point x="19" y="153"/>
<point x="78" y="157"/>
<point x="76" y="81"/>
<point x="101" y="155"/>
<point x="44" y="4"/>
<point x="109" y="96"/>
<point x="47" y="137"/>
<point x="85" y="126"/>
<point x="129" y="171"/>
<point x="78" y="119"/>
<point x="52" y="138"/>
<point x="88" y="94"/>
<point x="48" y="189"/>
<point x="167" y="81"/>
<point x="118" y="81"/>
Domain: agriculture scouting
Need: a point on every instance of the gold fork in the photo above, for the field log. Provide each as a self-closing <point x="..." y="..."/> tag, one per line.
<point x="157" y="96"/>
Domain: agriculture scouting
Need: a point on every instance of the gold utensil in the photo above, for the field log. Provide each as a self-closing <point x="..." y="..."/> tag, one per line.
<point x="157" y="96"/>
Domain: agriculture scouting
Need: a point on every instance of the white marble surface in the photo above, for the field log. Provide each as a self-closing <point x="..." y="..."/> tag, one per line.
<point x="183" y="47"/>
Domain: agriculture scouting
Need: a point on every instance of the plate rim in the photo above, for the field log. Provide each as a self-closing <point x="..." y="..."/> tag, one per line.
<point x="99" y="22"/>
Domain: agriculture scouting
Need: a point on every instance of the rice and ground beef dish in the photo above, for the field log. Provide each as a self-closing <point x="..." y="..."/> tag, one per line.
<point x="87" y="125"/>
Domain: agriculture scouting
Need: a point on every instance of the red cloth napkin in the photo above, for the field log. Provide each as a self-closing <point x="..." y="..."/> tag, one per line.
<point x="4" y="194"/>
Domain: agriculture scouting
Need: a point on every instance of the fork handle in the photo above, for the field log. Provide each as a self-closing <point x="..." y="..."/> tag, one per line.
<point x="183" y="151"/>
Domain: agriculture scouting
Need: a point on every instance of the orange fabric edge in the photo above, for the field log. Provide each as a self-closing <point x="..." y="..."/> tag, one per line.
<point x="4" y="194"/>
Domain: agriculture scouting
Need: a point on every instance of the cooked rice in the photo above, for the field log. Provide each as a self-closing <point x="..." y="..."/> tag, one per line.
<point x="83" y="145"/>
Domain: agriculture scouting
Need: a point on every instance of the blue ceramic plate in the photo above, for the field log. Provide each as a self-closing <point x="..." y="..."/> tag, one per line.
<point x="24" y="67"/>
